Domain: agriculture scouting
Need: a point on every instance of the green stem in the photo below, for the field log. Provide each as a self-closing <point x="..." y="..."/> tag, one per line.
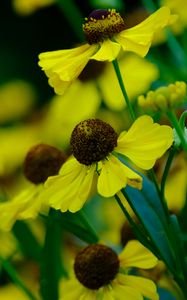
<point x="141" y="235"/>
<point x="73" y="15"/>
<point x="154" y="245"/>
<point x="51" y="268"/>
<point x="87" y="224"/>
<point x="178" y="129"/>
<point x="15" y="278"/>
<point x="122" y="86"/>
<point x="166" y="170"/>
<point x="161" y="197"/>
<point x="182" y="120"/>
<point x="176" y="49"/>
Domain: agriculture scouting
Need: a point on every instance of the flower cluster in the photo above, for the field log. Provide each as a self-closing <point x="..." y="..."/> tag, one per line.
<point x="93" y="179"/>
<point x="164" y="98"/>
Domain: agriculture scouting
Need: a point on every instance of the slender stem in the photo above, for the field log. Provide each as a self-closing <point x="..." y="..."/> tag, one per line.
<point x="166" y="170"/>
<point x="154" y="179"/>
<point x="176" y="48"/>
<point x="122" y="86"/>
<point x="136" y="228"/>
<point x="178" y="129"/>
<point x="15" y="278"/>
<point x="73" y="15"/>
<point x="154" y="245"/>
<point x="161" y="197"/>
<point x="51" y="258"/>
<point x="87" y="224"/>
<point x="182" y="120"/>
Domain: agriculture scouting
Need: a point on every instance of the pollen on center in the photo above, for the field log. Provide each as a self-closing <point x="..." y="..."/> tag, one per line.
<point x="102" y="24"/>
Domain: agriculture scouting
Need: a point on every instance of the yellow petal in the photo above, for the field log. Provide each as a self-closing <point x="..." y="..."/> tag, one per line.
<point x="136" y="255"/>
<point x="70" y="189"/>
<point x="122" y="291"/>
<point x="133" y="179"/>
<point x="71" y="289"/>
<point x="145" y="286"/>
<point x="63" y="66"/>
<point x="25" y="205"/>
<point x="112" y="177"/>
<point x="138" y="38"/>
<point x="108" y="51"/>
<point x="145" y="142"/>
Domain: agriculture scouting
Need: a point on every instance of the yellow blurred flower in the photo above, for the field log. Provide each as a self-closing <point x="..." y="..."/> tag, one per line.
<point x="175" y="188"/>
<point x="27" y="7"/>
<point x="80" y="102"/>
<point x="137" y="73"/>
<point x="106" y="35"/>
<point x="15" y="142"/>
<point x="40" y="162"/>
<point x="95" y="146"/>
<point x="16" y="99"/>
<point x="100" y="274"/>
<point x="164" y="98"/>
<point x="178" y="7"/>
<point x="10" y="291"/>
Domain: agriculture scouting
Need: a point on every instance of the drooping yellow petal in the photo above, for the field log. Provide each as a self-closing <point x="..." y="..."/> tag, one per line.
<point x="138" y="38"/>
<point x="63" y="66"/>
<point x="136" y="255"/>
<point x="25" y="205"/>
<point x="71" y="289"/>
<point x="122" y="291"/>
<point x="112" y="177"/>
<point x="70" y="189"/>
<point x="145" y="142"/>
<point x="145" y="286"/>
<point x="108" y="51"/>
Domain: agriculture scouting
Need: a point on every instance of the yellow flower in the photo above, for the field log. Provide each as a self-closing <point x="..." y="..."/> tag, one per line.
<point x="28" y="7"/>
<point x="136" y="82"/>
<point x="175" y="188"/>
<point x="41" y="161"/>
<point x="24" y="206"/>
<point x="15" y="142"/>
<point x="95" y="146"/>
<point x="17" y="99"/>
<point x="106" y="35"/>
<point x="180" y="8"/>
<point x="164" y="98"/>
<point x="100" y="274"/>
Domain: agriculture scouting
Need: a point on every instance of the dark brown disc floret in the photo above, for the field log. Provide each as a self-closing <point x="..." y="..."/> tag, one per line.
<point x="96" y="266"/>
<point x="92" y="140"/>
<point x="41" y="162"/>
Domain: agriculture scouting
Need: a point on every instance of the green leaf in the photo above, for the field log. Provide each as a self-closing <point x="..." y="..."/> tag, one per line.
<point x="27" y="241"/>
<point x="51" y="265"/>
<point x="71" y="222"/>
<point x="146" y="205"/>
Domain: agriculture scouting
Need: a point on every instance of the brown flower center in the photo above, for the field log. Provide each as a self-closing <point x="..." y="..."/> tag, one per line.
<point x="102" y="24"/>
<point x="96" y="266"/>
<point x="92" y="140"/>
<point x="41" y="162"/>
